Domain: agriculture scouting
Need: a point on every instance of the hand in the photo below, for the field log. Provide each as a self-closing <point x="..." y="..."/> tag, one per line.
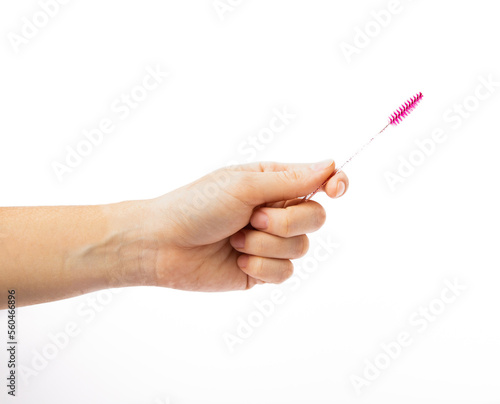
<point x="238" y="226"/>
<point x="229" y="230"/>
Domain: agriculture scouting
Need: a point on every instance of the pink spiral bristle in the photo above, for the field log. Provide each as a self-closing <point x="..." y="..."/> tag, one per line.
<point x="404" y="110"/>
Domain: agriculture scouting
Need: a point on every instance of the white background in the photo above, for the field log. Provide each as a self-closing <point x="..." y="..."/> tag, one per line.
<point x="395" y="247"/>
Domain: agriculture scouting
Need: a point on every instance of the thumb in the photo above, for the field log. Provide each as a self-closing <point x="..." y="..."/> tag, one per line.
<point x="273" y="182"/>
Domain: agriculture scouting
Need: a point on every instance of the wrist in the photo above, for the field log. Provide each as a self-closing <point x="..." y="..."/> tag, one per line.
<point x="129" y="249"/>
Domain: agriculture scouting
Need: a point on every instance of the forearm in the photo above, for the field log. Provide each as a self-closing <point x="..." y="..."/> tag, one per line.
<point x="52" y="253"/>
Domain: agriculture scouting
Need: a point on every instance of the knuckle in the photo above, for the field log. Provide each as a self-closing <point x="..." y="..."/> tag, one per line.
<point x="259" y="243"/>
<point x="283" y="178"/>
<point x="320" y="216"/>
<point x="287" y="224"/>
<point x="258" y="267"/>
<point x="287" y="271"/>
<point x="291" y="176"/>
<point x="301" y="246"/>
<point x="243" y="185"/>
<point x="246" y="180"/>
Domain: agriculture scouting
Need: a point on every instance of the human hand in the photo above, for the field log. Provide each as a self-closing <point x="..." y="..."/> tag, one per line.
<point x="232" y="229"/>
<point x="237" y="226"/>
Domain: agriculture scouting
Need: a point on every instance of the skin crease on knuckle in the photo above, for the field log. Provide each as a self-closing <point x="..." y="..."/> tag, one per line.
<point x="281" y="270"/>
<point x="302" y="246"/>
<point x="292" y="176"/>
<point x="259" y="244"/>
<point x="259" y="268"/>
<point x="290" y="226"/>
<point x="240" y="181"/>
<point x="286" y="224"/>
<point x="289" y="177"/>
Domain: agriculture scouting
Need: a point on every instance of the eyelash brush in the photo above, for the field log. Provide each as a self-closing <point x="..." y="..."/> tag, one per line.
<point x="394" y="119"/>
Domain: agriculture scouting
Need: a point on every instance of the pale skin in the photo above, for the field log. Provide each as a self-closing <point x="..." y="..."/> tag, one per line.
<point x="229" y="230"/>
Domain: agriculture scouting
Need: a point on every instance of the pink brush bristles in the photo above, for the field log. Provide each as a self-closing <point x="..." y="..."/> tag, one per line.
<point x="405" y="109"/>
<point x="395" y="119"/>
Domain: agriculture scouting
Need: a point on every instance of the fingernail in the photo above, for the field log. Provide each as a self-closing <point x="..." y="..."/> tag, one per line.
<point x="340" y="189"/>
<point x="260" y="221"/>
<point x="243" y="261"/>
<point x="238" y="240"/>
<point x="321" y="165"/>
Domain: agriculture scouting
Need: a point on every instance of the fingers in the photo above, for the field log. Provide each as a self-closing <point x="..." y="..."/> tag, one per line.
<point x="267" y="182"/>
<point x="267" y="253"/>
<point x="280" y="226"/>
<point x="267" y="245"/>
<point x="272" y="182"/>
<point x="290" y="221"/>
<point x="270" y="270"/>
